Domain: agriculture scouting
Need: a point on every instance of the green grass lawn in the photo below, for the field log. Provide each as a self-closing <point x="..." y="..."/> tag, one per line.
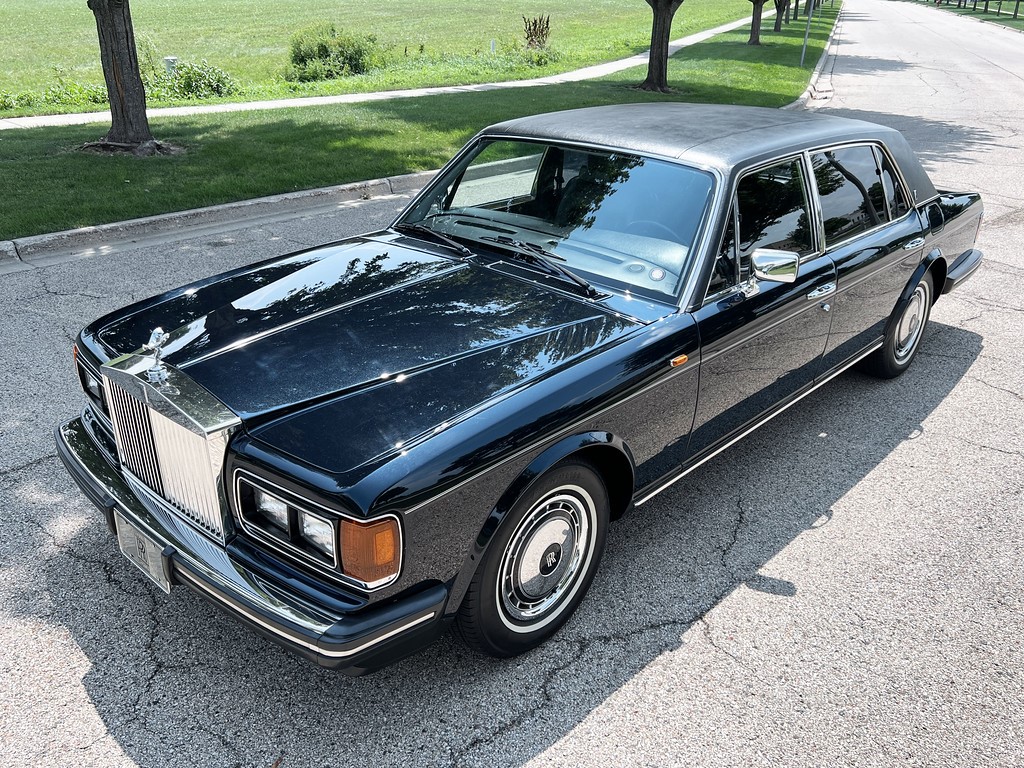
<point x="1003" y="15"/>
<point x="50" y="186"/>
<point x="252" y="47"/>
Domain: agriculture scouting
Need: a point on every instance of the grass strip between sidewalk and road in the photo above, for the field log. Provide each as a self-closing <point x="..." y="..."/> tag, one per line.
<point x="51" y="186"/>
<point x="423" y="43"/>
<point x="997" y="15"/>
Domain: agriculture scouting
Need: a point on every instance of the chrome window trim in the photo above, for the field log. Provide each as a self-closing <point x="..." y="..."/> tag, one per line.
<point x="294" y="552"/>
<point x="890" y="220"/>
<point x="813" y="210"/>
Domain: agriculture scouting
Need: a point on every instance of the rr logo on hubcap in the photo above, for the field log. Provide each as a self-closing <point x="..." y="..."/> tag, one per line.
<point x="549" y="560"/>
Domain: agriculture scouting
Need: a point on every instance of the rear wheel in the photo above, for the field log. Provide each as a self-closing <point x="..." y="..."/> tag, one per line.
<point x="540" y="564"/>
<point x="904" y="335"/>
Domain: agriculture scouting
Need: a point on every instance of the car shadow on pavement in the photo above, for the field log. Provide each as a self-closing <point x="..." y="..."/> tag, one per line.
<point x="935" y="140"/>
<point x="175" y="682"/>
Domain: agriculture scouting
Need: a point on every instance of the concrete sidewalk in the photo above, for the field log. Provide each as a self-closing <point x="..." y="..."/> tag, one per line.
<point x="587" y="73"/>
<point x="48" y="249"/>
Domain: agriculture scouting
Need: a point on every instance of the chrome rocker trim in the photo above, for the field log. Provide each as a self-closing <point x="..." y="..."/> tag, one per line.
<point x="760" y="423"/>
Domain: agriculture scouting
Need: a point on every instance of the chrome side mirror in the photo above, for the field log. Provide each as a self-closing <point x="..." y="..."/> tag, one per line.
<point x="775" y="266"/>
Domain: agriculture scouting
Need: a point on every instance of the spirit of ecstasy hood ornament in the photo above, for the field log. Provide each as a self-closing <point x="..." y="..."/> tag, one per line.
<point x="157" y="373"/>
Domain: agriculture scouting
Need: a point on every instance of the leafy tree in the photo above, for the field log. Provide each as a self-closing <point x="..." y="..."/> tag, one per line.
<point x="661" y="34"/>
<point x="129" y="128"/>
<point x="755" y="22"/>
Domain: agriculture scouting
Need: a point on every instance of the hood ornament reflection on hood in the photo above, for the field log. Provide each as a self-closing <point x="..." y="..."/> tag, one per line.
<point x="157" y="373"/>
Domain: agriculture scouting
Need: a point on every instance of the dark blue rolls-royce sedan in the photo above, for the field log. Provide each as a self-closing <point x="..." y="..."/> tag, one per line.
<point x="354" y="447"/>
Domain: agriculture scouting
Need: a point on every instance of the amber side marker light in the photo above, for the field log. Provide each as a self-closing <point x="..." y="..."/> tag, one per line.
<point x="675" y="362"/>
<point x="369" y="551"/>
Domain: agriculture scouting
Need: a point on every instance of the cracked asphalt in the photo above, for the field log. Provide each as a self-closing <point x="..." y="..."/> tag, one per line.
<point x="841" y="588"/>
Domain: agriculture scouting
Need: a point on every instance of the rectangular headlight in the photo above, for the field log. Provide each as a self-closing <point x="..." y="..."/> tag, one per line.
<point x="272" y="508"/>
<point x="366" y="552"/>
<point x="90" y="383"/>
<point x="318" y="532"/>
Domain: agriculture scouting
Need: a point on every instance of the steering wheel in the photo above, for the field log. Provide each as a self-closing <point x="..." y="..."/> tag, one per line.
<point x="651" y="228"/>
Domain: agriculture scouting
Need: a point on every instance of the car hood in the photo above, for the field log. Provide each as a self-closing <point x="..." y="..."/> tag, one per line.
<point x="365" y="344"/>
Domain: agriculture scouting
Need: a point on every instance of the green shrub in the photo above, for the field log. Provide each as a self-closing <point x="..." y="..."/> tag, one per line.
<point x="68" y="91"/>
<point x="189" y="80"/>
<point x="27" y="99"/>
<point x="321" y="52"/>
<point x="9" y="101"/>
<point x="200" y="81"/>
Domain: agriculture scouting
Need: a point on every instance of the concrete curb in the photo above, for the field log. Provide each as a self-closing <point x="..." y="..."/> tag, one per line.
<point x="46" y="250"/>
<point x="981" y="21"/>
<point x="57" y="247"/>
<point x="818" y="91"/>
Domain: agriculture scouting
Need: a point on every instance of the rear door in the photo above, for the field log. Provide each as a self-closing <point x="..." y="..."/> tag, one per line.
<point x="873" y="236"/>
<point x="762" y="341"/>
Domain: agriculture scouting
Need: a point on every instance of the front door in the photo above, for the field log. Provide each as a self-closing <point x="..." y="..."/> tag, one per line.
<point x="761" y="341"/>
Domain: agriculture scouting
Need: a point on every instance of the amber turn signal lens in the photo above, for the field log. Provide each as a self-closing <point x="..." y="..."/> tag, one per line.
<point x="370" y="551"/>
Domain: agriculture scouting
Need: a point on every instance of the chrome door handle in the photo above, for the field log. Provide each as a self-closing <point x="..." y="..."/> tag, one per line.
<point x="917" y="242"/>
<point x="826" y="290"/>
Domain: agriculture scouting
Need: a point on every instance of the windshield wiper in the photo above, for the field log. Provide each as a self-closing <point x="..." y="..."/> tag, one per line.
<point x="423" y="229"/>
<point x="545" y="259"/>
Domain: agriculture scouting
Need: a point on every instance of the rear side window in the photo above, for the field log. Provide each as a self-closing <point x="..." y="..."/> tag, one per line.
<point x="853" y="198"/>
<point x="895" y="195"/>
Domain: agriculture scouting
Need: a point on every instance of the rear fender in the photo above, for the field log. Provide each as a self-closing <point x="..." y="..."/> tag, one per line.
<point x="933" y="262"/>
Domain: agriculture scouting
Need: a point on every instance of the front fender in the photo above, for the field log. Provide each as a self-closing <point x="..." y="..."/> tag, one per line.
<point x="607" y="451"/>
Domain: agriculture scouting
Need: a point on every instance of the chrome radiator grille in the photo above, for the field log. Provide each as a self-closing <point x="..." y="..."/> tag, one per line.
<point x="134" y="436"/>
<point x="181" y="466"/>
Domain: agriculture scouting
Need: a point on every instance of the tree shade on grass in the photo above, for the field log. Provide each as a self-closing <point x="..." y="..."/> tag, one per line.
<point x="236" y="156"/>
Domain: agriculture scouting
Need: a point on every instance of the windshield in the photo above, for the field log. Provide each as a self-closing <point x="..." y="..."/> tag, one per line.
<point x="617" y="220"/>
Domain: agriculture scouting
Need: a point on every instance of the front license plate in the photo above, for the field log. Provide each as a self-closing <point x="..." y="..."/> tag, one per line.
<point x="143" y="551"/>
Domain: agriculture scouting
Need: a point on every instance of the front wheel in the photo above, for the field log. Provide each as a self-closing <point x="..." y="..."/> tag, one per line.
<point x="540" y="564"/>
<point x="904" y="334"/>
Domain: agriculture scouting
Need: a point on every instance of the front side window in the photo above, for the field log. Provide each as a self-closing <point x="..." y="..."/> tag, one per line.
<point x="772" y="211"/>
<point x="853" y="199"/>
<point x="621" y="220"/>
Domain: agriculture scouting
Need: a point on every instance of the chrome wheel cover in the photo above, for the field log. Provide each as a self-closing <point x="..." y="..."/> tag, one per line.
<point x="911" y="324"/>
<point x="546" y="559"/>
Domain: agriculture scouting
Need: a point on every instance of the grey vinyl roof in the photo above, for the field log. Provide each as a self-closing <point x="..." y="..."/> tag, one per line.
<point x="713" y="135"/>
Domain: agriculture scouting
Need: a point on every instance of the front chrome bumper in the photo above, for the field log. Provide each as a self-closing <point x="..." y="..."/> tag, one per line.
<point x="355" y="641"/>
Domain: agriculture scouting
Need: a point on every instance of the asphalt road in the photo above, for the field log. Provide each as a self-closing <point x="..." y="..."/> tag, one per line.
<point x="843" y="588"/>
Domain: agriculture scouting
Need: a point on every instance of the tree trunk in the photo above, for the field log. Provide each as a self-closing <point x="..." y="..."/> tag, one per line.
<point x="755" y="22"/>
<point x="661" y="35"/>
<point x="781" y="10"/>
<point x="129" y="125"/>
